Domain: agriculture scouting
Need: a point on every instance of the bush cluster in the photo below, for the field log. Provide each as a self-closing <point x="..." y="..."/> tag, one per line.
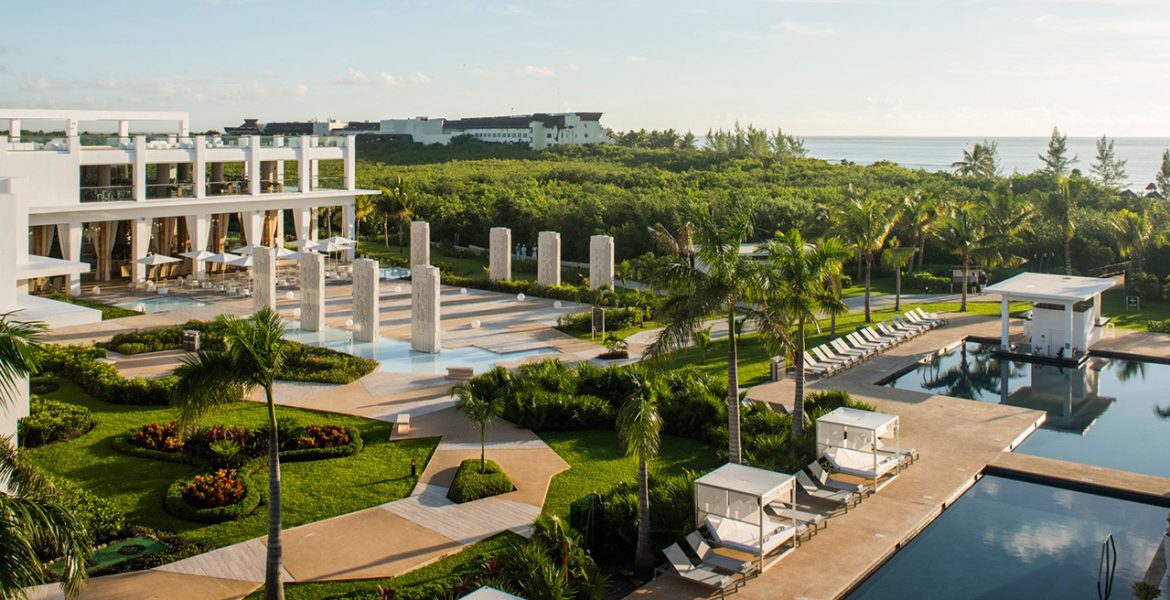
<point x="922" y="281"/>
<point x="1158" y="326"/>
<point x="224" y="495"/>
<point x="160" y="437"/>
<point x="567" y="293"/>
<point x="52" y="421"/>
<point x="220" y="488"/>
<point x="321" y="436"/>
<point x="163" y="441"/>
<point x="615" y="318"/>
<point x="101" y="380"/>
<point x="471" y="484"/>
<point x="103" y="520"/>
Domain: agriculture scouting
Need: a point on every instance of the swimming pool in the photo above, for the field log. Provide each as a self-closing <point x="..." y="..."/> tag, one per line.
<point x="158" y="304"/>
<point x="396" y="356"/>
<point x="1011" y="539"/>
<point x="1105" y="413"/>
<point x="393" y="273"/>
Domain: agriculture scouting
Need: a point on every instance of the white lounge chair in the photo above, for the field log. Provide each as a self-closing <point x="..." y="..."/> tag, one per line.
<point x="709" y="557"/>
<point x="914" y="319"/>
<point x="903" y="334"/>
<point x="814" y="366"/>
<point x="810" y="522"/>
<point x="876" y="336"/>
<point x="858" y="341"/>
<point x="844" y="349"/>
<point x="821" y="478"/>
<point x="842" y="498"/>
<point x="745" y="537"/>
<point x="687" y="570"/>
<point x="930" y="316"/>
<point x="860" y="464"/>
<point x="827" y="355"/>
<point x="904" y="324"/>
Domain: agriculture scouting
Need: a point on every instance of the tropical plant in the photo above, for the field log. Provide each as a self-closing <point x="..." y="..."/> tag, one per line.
<point x="964" y="234"/>
<point x="1162" y="177"/>
<point x="867" y="221"/>
<point x="981" y="161"/>
<point x="639" y="427"/>
<point x="1135" y="232"/>
<point x="1061" y="205"/>
<point x="703" y="341"/>
<point x="252" y="355"/>
<point x="681" y="244"/>
<point x="1055" y="159"/>
<point x="395" y="204"/>
<point x="921" y="214"/>
<point x="1109" y="169"/>
<point x="798" y="288"/>
<point x="727" y="279"/>
<point x="897" y="257"/>
<point x="478" y="409"/>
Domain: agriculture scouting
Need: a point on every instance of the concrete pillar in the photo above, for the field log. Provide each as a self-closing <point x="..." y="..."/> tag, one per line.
<point x="1005" y="325"/>
<point x="280" y="228"/>
<point x="600" y="261"/>
<point x="200" y="175"/>
<point x="14" y="130"/>
<point x="303" y="223"/>
<point x="253" y="226"/>
<point x="365" y="299"/>
<point x="162" y="174"/>
<point x="123" y="132"/>
<point x="424" y="308"/>
<point x="312" y="291"/>
<point x="70" y="236"/>
<point x="1068" y="329"/>
<point x="548" y="257"/>
<point x="349" y="162"/>
<point x="263" y="278"/>
<point x="198" y="230"/>
<point x="313" y="223"/>
<point x="139" y="245"/>
<point x="303" y="163"/>
<point x="349" y="228"/>
<point x="253" y="154"/>
<point x="139" y="178"/>
<point x="499" y="253"/>
<point x="13" y="210"/>
<point x="420" y="243"/>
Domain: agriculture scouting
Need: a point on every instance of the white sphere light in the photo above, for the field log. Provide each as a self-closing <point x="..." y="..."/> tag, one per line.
<point x="519" y="297"/>
<point x="557" y="304"/>
<point x="397" y="289"/>
<point x="289" y="295"/>
<point x="463" y="291"/>
<point x="97" y="289"/>
<point x="349" y="322"/>
<point x="475" y="324"/>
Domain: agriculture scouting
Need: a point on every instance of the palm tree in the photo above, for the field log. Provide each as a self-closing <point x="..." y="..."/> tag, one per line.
<point x="1010" y="216"/>
<point x="479" y="410"/>
<point x="980" y="161"/>
<point x="1061" y="206"/>
<point x="703" y="341"/>
<point x="897" y="257"/>
<point x="867" y="222"/>
<point x="252" y="355"/>
<point x="964" y="234"/>
<point x="921" y="215"/>
<point x="681" y="245"/>
<point x="799" y="287"/>
<point x="27" y="522"/>
<point x="639" y="426"/>
<point x="395" y="204"/>
<point x="1135" y="231"/>
<point x="726" y="279"/>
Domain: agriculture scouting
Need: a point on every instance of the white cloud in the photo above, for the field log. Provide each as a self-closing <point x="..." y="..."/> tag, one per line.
<point x="634" y="60"/>
<point x="354" y="77"/>
<point x="387" y="79"/>
<point x="511" y="10"/>
<point x="417" y="78"/>
<point x="108" y="83"/>
<point x="384" y="79"/>
<point x="802" y="28"/>
<point x="40" y="84"/>
<point x="534" y="71"/>
<point x="301" y="89"/>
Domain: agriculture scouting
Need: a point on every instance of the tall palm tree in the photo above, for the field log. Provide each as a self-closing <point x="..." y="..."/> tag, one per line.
<point x="867" y="222"/>
<point x="1061" y="205"/>
<point x="921" y="215"/>
<point x="639" y="426"/>
<point x="26" y="521"/>
<point x="897" y="257"/>
<point x="395" y="204"/>
<point x="799" y="287"/>
<point x="681" y="245"/>
<point x="1134" y="232"/>
<point x="963" y="232"/>
<point x="253" y="353"/>
<point x="726" y="279"/>
<point x="479" y="410"/>
<point x="980" y="161"/>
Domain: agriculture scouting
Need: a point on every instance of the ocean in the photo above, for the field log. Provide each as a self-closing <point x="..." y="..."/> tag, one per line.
<point x="1016" y="154"/>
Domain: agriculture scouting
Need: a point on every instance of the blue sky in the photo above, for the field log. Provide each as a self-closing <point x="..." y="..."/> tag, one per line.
<point x="813" y="67"/>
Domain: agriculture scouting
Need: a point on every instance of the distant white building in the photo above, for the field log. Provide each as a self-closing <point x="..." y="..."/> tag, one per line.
<point x="540" y="130"/>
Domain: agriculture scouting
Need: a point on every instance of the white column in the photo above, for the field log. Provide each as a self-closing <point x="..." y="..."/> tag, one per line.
<point x="348" y="223"/>
<point x="303" y="164"/>
<point x="365" y="299"/>
<point x="13" y="210"/>
<point x="198" y="230"/>
<point x="14" y="130"/>
<point x="70" y="236"/>
<point x="424" y="308"/>
<point x="279" y="228"/>
<point x="312" y="291"/>
<point x="548" y="258"/>
<point x="303" y="223"/>
<point x="200" y="177"/>
<point x="349" y="164"/>
<point x="420" y="243"/>
<point x="313" y="231"/>
<point x="253" y="226"/>
<point x="600" y="261"/>
<point x="263" y="278"/>
<point x="1005" y="324"/>
<point x="253" y="155"/>
<point x="139" y="245"/>
<point x="1068" y="329"/>
<point x="499" y="253"/>
<point x="123" y="132"/>
<point x="139" y="179"/>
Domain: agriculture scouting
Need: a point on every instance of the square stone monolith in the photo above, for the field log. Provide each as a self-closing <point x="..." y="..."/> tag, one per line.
<point x="548" y="258"/>
<point x="312" y="291"/>
<point x="263" y="278"/>
<point x="420" y="243"/>
<point x="500" y="253"/>
<point x="365" y="299"/>
<point x="424" y="309"/>
<point x="600" y="261"/>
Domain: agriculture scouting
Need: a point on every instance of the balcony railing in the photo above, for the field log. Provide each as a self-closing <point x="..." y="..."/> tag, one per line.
<point x="330" y="141"/>
<point x="107" y="193"/>
<point x="226" y="141"/>
<point x="168" y="142"/>
<point x="39" y="143"/>
<point x="170" y="190"/>
<point x="234" y="187"/>
<point x="329" y="183"/>
<point x="95" y="142"/>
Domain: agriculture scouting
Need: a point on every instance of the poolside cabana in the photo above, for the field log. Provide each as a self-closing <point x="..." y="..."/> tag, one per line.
<point x="861" y="443"/>
<point x="1066" y="312"/>
<point x="731" y="502"/>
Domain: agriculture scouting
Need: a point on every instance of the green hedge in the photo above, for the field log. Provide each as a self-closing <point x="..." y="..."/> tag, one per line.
<point x="1158" y="326"/>
<point x="470" y="484"/>
<point x="615" y="318"/>
<point x="52" y="421"/>
<point x="122" y="443"/>
<point x="177" y="507"/>
<point x="355" y="445"/>
<point x="101" y="380"/>
<point x="103" y="520"/>
<point x="511" y="286"/>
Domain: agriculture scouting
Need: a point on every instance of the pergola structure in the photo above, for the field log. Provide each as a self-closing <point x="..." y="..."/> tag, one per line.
<point x="1066" y="312"/>
<point x="855" y="443"/>
<point x="731" y="502"/>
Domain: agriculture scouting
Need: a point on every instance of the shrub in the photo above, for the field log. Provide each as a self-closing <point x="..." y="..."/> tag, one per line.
<point x="103" y="520"/>
<point x="1146" y="285"/>
<point x="221" y="488"/>
<point x="321" y="436"/>
<point x="53" y="421"/>
<point x="225" y="495"/>
<point x="922" y="281"/>
<point x="80" y="365"/>
<point x="470" y="484"/>
<point x="199" y="442"/>
<point x="1158" y="326"/>
<point x="671" y="515"/>
<point x="615" y="318"/>
<point x="322" y="365"/>
<point x="160" y="437"/>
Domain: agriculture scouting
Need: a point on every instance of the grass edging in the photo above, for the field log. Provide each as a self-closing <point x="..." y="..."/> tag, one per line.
<point x="469" y="484"/>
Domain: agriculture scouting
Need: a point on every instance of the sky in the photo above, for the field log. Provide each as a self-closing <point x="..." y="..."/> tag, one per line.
<point x="812" y="67"/>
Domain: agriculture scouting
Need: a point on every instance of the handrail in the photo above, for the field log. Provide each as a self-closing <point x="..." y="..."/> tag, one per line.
<point x="1106" y="568"/>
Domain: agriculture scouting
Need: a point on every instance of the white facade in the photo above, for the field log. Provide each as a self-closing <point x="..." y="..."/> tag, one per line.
<point x="1066" y="313"/>
<point x="540" y="131"/>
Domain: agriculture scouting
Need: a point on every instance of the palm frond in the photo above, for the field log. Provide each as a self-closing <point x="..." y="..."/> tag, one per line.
<point x="17" y="360"/>
<point x="207" y="381"/>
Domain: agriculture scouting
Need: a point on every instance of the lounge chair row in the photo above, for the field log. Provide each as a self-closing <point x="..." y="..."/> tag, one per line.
<point x="844" y="352"/>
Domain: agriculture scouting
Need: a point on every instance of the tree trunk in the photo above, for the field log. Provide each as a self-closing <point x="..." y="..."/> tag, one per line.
<point x="273" y="584"/>
<point x="733" y="446"/>
<point x="798" y="397"/>
<point x="921" y="250"/>
<point x="482" y="448"/>
<point x="868" y="272"/>
<point x="386" y="232"/>
<point x="963" y="304"/>
<point x="644" y="555"/>
<point x="1068" y="270"/>
<point x="401" y="248"/>
<point x="898" y="288"/>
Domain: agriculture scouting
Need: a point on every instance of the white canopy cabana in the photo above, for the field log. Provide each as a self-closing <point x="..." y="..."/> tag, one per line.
<point x="1066" y="311"/>
<point x="860" y="443"/>
<point x="731" y="502"/>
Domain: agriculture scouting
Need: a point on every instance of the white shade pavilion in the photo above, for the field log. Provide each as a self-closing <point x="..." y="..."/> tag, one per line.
<point x="860" y="443"/>
<point x="731" y="502"/>
<point x="1066" y="312"/>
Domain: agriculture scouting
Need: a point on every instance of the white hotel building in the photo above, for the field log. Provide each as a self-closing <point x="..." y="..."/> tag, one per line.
<point x="540" y="130"/>
<point x="75" y="202"/>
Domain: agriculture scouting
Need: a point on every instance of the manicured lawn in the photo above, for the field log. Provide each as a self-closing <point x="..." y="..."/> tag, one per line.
<point x="109" y="311"/>
<point x="1113" y="305"/>
<point x="877" y="286"/>
<point x="313" y="490"/>
<point x="599" y="462"/>
<point x="465" y="563"/>
<point x="623" y="333"/>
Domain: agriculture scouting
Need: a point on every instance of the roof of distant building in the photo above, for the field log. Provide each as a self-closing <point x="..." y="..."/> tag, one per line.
<point x="516" y="121"/>
<point x="289" y="128"/>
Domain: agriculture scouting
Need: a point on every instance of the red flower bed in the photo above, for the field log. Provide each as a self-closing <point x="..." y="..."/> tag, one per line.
<point x="322" y="436"/>
<point x="213" y="490"/>
<point x="158" y="436"/>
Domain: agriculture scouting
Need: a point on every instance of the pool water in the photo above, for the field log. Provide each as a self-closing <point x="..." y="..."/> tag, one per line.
<point x="394" y="273"/>
<point x="1108" y="412"/>
<point x="160" y="304"/>
<point x="396" y="356"/>
<point x="1010" y="539"/>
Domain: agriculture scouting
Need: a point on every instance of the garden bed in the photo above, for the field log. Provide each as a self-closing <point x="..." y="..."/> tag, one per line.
<point x="472" y="483"/>
<point x="51" y="421"/>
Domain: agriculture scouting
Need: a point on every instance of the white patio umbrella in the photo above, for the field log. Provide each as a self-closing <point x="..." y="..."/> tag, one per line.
<point x="244" y="250"/>
<point x="154" y="260"/>
<point x="222" y="258"/>
<point x="197" y="256"/>
<point x="304" y="244"/>
<point x="283" y="252"/>
<point x="340" y="241"/>
<point x="242" y="261"/>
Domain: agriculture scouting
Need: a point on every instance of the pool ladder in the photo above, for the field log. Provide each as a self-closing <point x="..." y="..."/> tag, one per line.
<point x="1106" y="567"/>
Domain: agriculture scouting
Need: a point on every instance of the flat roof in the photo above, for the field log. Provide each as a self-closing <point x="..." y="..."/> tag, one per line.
<point x="1046" y="286"/>
<point x="36" y="266"/>
<point x="745" y="479"/>
<point x="861" y="419"/>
